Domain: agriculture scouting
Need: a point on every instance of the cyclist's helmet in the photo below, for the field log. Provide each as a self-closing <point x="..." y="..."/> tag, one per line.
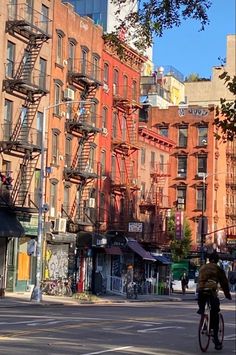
<point x="214" y="257"/>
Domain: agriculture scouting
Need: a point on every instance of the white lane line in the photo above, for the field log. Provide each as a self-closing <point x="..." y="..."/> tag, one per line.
<point x="109" y="351"/>
<point x="23" y="322"/>
<point x="230" y="337"/>
<point x="46" y="323"/>
<point x="159" y="328"/>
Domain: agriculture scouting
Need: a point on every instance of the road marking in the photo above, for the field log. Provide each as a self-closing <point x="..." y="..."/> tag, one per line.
<point x="110" y="350"/>
<point x="159" y="328"/>
<point x="230" y="337"/>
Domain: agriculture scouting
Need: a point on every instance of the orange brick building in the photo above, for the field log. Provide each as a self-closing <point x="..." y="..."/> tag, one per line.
<point x="197" y="165"/>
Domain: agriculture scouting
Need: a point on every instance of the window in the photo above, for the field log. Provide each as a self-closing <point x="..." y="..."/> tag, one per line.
<point x="162" y="162"/>
<point x="36" y="186"/>
<point x="44" y="18"/>
<point x="10" y="59"/>
<point x="42" y="73"/>
<point x="113" y="167"/>
<point x="104" y="117"/>
<point x="102" y="207"/>
<point x="58" y="95"/>
<point x="68" y="152"/>
<point x="125" y="87"/>
<point x="122" y="171"/>
<point x="53" y="198"/>
<point x="59" y="54"/>
<point x="114" y="124"/>
<point x="183" y="136"/>
<point x="142" y="190"/>
<point x="163" y="131"/>
<point x="66" y="201"/>
<point x="201" y="199"/>
<point x="103" y="162"/>
<point x="115" y="81"/>
<point x="202" y="136"/>
<point x="106" y="73"/>
<point x="202" y="164"/>
<point x="134" y="91"/>
<point x="91" y="158"/>
<point x="123" y="128"/>
<point x="95" y="68"/>
<point x="39" y="127"/>
<point x="7" y="128"/>
<point x="84" y="60"/>
<point x="55" y="140"/>
<point x="182" y="166"/>
<point x="143" y="156"/>
<point x="29" y="11"/>
<point x="93" y="111"/>
<point x="71" y="55"/>
<point x="181" y="197"/>
<point x="153" y="158"/>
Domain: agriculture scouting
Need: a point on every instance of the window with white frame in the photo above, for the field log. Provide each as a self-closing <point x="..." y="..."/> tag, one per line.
<point x="202" y="136"/>
<point x="183" y="137"/>
<point x="10" y="59"/>
<point x="182" y="166"/>
<point x="55" y="147"/>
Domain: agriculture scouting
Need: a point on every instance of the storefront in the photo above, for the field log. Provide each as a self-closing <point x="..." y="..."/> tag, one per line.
<point x="10" y="231"/>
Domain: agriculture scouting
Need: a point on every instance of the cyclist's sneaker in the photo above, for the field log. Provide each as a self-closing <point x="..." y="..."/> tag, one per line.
<point x="218" y="344"/>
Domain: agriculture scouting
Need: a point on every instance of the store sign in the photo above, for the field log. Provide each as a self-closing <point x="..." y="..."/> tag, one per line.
<point x="179" y="225"/>
<point x="135" y="227"/>
<point x="30" y="225"/>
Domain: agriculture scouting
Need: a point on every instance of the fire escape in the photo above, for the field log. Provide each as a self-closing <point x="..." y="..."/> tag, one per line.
<point x="125" y="145"/>
<point x="20" y="138"/>
<point x="154" y="199"/>
<point x="231" y="183"/>
<point x="83" y="124"/>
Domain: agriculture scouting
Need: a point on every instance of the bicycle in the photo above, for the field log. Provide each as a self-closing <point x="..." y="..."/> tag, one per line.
<point x="204" y="331"/>
<point x="132" y="290"/>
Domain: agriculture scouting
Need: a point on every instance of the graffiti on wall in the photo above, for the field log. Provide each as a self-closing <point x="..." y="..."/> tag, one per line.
<point x="56" y="262"/>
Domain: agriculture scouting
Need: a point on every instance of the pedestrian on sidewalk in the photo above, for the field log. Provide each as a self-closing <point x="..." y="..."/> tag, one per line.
<point x="184" y="282"/>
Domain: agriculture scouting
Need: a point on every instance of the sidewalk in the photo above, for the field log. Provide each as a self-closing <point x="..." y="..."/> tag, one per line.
<point x="14" y="299"/>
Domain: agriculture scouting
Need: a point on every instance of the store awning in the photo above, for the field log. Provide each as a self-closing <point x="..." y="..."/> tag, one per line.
<point x="138" y="249"/>
<point x="162" y="259"/>
<point x="113" y="251"/>
<point x="9" y="225"/>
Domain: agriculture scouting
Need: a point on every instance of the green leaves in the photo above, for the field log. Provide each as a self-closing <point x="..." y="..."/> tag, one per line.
<point x="154" y="16"/>
<point x="225" y="120"/>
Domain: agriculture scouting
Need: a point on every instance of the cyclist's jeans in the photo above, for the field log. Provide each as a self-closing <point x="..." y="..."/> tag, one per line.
<point x="215" y="309"/>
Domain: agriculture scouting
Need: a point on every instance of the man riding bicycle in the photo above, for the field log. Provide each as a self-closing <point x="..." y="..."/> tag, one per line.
<point x="210" y="275"/>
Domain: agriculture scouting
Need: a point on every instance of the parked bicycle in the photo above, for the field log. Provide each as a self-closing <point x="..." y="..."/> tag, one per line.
<point x="205" y="333"/>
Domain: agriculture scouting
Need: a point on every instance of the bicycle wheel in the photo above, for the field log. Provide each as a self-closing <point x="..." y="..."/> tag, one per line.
<point x="203" y="332"/>
<point x="221" y="328"/>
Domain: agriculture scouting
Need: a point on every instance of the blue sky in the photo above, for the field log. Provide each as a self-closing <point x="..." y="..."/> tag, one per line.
<point x="191" y="51"/>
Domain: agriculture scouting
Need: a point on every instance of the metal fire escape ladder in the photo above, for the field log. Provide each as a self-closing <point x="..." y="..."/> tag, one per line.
<point x="29" y="58"/>
<point x="23" y="180"/>
<point x="23" y="126"/>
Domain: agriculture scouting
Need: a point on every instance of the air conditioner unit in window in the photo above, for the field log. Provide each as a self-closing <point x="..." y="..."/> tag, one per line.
<point x="201" y="175"/>
<point x="104" y="131"/>
<point x="105" y="87"/>
<point x="91" y="202"/>
<point x="181" y="175"/>
<point x="69" y="94"/>
<point x="60" y="225"/>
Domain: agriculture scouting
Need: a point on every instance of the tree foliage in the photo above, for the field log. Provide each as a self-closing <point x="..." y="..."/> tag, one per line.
<point x="226" y="113"/>
<point x="180" y="248"/>
<point x="154" y="16"/>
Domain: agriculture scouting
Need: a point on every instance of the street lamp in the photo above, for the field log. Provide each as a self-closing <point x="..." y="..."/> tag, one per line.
<point x="37" y="292"/>
<point x="203" y="223"/>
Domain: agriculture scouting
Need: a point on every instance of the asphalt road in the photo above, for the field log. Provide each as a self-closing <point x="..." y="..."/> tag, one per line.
<point x="167" y="328"/>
